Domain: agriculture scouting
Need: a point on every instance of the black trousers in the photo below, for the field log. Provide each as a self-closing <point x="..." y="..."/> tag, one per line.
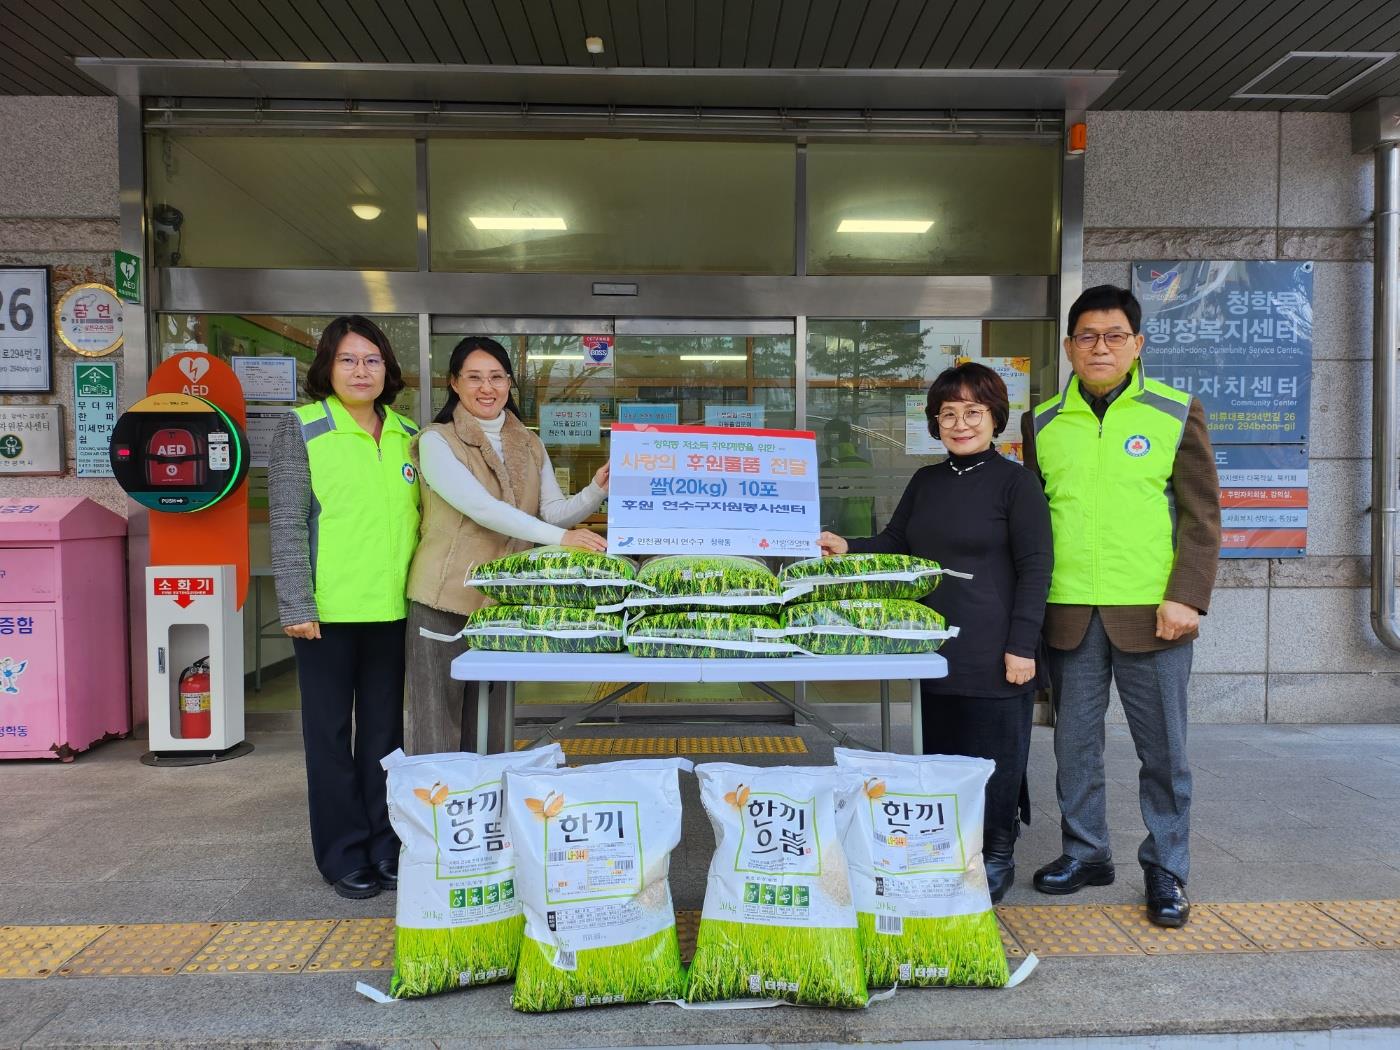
<point x="351" y="682"/>
<point x="998" y="728"/>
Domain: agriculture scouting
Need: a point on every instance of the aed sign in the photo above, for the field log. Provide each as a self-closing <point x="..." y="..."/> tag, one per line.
<point x="178" y="453"/>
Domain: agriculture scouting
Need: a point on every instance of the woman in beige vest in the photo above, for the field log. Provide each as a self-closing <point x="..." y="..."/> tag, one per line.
<point x="488" y="491"/>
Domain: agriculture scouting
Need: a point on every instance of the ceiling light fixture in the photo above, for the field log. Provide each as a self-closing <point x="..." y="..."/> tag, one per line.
<point x="884" y="226"/>
<point x="368" y="212"/>
<point x="517" y="222"/>
<point x="594" y="44"/>
<point x="714" y="357"/>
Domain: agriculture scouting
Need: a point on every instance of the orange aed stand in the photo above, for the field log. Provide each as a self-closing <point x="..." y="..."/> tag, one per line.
<point x="217" y="535"/>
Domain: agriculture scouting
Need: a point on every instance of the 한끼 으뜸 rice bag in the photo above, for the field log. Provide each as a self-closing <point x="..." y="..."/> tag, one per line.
<point x="862" y="627"/>
<point x="537" y="629"/>
<point x="916" y="861"/>
<point x="705" y="635"/>
<point x="779" y="919"/>
<point x="459" y="918"/>
<point x="594" y="847"/>
<point x="556" y="577"/>
<point x="863" y="576"/>
<point x="705" y="581"/>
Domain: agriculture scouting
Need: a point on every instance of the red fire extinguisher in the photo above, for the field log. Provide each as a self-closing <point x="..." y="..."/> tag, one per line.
<point x="194" y="700"/>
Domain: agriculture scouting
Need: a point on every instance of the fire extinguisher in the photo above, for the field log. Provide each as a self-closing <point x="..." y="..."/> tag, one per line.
<point x="194" y="700"/>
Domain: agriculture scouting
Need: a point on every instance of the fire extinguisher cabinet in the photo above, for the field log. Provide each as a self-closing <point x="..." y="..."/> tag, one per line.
<point x="63" y="657"/>
<point x="194" y="664"/>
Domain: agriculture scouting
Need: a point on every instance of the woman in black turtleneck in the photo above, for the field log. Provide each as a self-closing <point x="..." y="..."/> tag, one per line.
<point x="979" y="513"/>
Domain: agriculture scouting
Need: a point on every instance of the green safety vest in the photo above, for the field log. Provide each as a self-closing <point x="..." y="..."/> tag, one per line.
<point x="364" y="513"/>
<point x="1109" y="486"/>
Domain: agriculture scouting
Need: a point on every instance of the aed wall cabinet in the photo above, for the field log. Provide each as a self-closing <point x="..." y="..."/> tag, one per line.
<point x="63" y="658"/>
<point x="178" y="453"/>
<point x="192" y="620"/>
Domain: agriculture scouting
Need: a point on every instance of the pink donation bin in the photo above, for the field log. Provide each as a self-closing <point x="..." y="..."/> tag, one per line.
<point x="63" y="646"/>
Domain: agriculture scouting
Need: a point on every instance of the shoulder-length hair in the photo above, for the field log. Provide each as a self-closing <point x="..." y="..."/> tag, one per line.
<point x="318" y="376"/>
<point x="969" y="381"/>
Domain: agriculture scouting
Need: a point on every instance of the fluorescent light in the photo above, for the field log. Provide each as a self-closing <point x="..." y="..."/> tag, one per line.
<point x="517" y="222"/>
<point x="368" y="212"/>
<point x="554" y="357"/>
<point x="884" y="226"/>
<point x="714" y="357"/>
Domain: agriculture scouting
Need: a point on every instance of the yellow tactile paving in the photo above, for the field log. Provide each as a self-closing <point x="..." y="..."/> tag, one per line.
<point x="1008" y="942"/>
<point x="283" y="946"/>
<point x="1289" y="926"/>
<point x="1206" y="933"/>
<point x="773" y="745"/>
<point x="356" y="944"/>
<point x="141" y="950"/>
<point x="1075" y="929"/>
<point x="709" y="745"/>
<point x="687" y="926"/>
<point x="37" y="951"/>
<point x="586" y="747"/>
<point x="1377" y="921"/>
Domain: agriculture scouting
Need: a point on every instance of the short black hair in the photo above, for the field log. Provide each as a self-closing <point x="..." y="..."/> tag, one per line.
<point x="318" y="376"/>
<point x="1107" y="297"/>
<point x="969" y="381"/>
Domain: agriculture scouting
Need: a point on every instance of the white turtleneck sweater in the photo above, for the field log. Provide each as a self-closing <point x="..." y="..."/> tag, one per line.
<point x="444" y="473"/>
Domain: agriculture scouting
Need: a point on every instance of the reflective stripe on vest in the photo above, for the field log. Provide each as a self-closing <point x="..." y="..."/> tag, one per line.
<point x="363" y="521"/>
<point x="1109" y="487"/>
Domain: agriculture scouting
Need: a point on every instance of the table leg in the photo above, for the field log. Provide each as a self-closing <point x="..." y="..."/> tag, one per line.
<point x="840" y="736"/>
<point x="555" y="731"/>
<point x="483" y="716"/>
<point x="509" y="717"/>
<point x="916" y="716"/>
<point x="884" y="714"/>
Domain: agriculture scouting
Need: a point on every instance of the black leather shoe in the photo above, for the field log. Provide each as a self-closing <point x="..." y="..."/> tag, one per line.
<point x="359" y="884"/>
<point x="1166" y="898"/>
<point x="387" y="872"/>
<point x="999" y="859"/>
<point x="1068" y="875"/>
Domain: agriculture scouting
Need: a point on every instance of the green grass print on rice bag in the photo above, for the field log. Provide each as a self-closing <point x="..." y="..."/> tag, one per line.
<point x="594" y="847"/>
<point x="674" y="582"/>
<point x="458" y="917"/>
<point x="555" y="576"/>
<point x="705" y="635"/>
<point x="926" y="916"/>
<point x="537" y="629"/>
<point x="862" y="627"/>
<point x="863" y="576"/>
<point x="779" y="919"/>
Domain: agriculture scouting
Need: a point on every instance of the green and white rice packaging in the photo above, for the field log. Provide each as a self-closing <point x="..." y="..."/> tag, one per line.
<point x="555" y="576"/>
<point x="779" y="919"/>
<point x="863" y="576"/>
<point x="539" y="629"/>
<point x="925" y="913"/>
<point x="458" y="916"/>
<point x="594" y="847"/>
<point x="862" y="627"/>
<point x="705" y="581"/>
<point x="706" y="635"/>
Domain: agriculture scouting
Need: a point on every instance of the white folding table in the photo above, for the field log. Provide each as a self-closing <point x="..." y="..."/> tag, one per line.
<point x="484" y="667"/>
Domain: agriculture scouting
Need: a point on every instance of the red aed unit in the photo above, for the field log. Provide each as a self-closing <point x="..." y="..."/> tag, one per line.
<point x="174" y="457"/>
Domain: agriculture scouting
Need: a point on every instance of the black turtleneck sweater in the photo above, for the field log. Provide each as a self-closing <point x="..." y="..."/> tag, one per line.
<point x="990" y="520"/>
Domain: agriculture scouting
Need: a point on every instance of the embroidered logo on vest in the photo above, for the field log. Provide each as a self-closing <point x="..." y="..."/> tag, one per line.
<point x="1137" y="446"/>
<point x="409" y="474"/>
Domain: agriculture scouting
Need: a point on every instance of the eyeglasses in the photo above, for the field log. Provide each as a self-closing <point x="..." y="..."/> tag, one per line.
<point x="494" y="379"/>
<point x="1112" y="340"/>
<point x="972" y="417"/>
<point x="349" y="362"/>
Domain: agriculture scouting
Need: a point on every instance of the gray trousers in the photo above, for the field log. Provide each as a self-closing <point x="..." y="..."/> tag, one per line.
<point x="439" y="711"/>
<point x="1152" y="687"/>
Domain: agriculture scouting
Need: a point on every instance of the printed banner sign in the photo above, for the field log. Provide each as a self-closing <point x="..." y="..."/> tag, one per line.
<point x="94" y="416"/>
<point x="713" y="490"/>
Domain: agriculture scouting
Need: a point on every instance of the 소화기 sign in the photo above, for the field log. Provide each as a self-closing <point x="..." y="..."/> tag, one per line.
<point x="1238" y="337"/>
<point x="712" y="490"/>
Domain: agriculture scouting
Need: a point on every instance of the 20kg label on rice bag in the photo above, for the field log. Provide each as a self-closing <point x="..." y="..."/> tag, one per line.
<point x="593" y="852"/>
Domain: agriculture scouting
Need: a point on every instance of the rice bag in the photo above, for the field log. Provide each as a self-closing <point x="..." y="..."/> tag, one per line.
<point x="595" y="845"/>
<point x="708" y="635"/>
<point x="458" y="917"/>
<point x="916" y="862"/>
<point x="556" y="576"/>
<point x="779" y="919"/>
<point x="702" y="581"/>
<point x="863" y="576"/>
<point x="862" y="627"/>
<point x="538" y="629"/>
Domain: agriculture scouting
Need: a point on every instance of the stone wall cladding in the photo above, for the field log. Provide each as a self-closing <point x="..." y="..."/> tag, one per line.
<point x="1287" y="640"/>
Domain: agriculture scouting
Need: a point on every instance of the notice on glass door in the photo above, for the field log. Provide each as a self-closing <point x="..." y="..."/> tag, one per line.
<point x="569" y="424"/>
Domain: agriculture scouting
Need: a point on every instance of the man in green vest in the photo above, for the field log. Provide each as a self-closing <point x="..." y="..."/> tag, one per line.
<point x="1135" y="509"/>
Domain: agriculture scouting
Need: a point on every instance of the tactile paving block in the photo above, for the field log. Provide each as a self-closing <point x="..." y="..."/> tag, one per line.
<point x="774" y="745"/>
<point x="1377" y="921"/>
<point x="356" y="944"/>
<point x="1008" y="942"/>
<point x="687" y="927"/>
<point x="282" y="946"/>
<point x="1067" y="930"/>
<point x="35" y="952"/>
<point x="1206" y="933"/>
<point x="1289" y="926"/>
<point x="709" y="745"/>
<point x="141" y="950"/>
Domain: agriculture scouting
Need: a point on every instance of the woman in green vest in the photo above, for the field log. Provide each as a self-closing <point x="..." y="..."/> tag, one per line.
<point x="343" y="499"/>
